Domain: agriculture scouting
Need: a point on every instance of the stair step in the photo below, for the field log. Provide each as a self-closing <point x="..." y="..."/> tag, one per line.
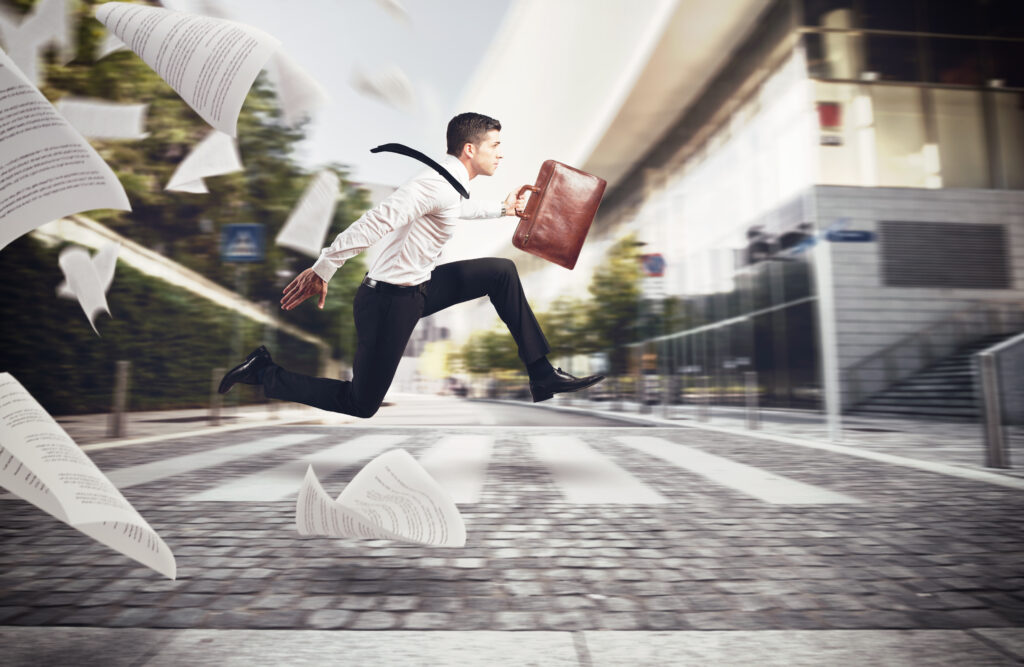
<point x="897" y="410"/>
<point x="945" y="390"/>
<point x="922" y="385"/>
<point x="900" y="393"/>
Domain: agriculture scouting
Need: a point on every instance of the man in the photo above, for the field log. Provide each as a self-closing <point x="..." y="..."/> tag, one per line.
<point x="405" y="284"/>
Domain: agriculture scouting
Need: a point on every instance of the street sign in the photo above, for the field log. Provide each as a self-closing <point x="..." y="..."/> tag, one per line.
<point x="653" y="264"/>
<point x="242" y="242"/>
<point x="850" y="236"/>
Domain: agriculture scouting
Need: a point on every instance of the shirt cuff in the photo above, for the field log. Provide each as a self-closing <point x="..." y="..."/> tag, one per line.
<point x="495" y="210"/>
<point x="324" y="268"/>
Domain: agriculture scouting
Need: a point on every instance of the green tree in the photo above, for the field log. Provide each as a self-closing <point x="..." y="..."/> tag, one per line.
<point x="613" y="312"/>
<point x="489" y="351"/>
<point x="565" y="326"/>
<point x="186" y="227"/>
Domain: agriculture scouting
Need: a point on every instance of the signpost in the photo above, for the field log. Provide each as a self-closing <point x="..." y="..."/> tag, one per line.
<point x="241" y="244"/>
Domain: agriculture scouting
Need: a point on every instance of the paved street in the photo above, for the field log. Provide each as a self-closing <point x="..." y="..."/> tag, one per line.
<point x="595" y="544"/>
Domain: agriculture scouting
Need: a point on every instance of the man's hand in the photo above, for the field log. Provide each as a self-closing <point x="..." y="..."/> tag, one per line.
<point x="305" y="285"/>
<point x="513" y="204"/>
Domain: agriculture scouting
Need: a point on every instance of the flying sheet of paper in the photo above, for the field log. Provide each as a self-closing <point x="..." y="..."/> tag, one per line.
<point x="299" y="93"/>
<point x="215" y="155"/>
<point x="23" y="38"/>
<point x="391" y="498"/>
<point x="48" y="169"/>
<point x="211" y="63"/>
<point x="306" y="227"/>
<point x="104" y="262"/>
<point x="99" y="119"/>
<point x="41" y="464"/>
<point x="395" y="9"/>
<point x="110" y="44"/>
<point x="389" y="85"/>
<point x="84" y="281"/>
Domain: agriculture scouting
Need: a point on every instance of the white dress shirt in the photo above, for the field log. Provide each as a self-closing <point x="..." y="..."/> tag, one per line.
<point x="422" y="214"/>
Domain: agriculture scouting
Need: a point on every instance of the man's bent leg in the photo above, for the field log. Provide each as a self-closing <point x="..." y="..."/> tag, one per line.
<point x="384" y="323"/>
<point x="497" y="279"/>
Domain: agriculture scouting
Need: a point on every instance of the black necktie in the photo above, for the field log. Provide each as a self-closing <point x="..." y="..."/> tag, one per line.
<point x="413" y="153"/>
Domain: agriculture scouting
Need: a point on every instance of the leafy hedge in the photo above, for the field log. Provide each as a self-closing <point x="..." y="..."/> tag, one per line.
<point x="172" y="338"/>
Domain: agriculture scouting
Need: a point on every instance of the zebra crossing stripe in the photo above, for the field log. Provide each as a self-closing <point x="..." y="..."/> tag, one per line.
<point x="177" y="465"/>
<point x="459" y="464"/>
<point x="283" y="481"/>
<point x="587" y="477"/>
<point x="760" y="484"/>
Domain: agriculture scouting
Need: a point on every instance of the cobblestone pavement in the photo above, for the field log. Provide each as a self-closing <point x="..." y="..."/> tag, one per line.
<point x="917" y="551"/>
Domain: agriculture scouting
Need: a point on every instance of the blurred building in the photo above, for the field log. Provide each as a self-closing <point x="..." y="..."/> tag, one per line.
<point x="840" y="203"/>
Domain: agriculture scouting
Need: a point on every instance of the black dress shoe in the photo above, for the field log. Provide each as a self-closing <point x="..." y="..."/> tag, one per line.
<point x="559" y="382"/>
<point x="246" y="372"/>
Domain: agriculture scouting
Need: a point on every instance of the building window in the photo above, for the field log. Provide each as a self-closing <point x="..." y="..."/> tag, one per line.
<point x="955" y="61"/>
<point x="891" y="58"/>
<point x="1006" y="62"/>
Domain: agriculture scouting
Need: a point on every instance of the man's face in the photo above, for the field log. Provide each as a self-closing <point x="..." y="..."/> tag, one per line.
<point x="487" y="154"/>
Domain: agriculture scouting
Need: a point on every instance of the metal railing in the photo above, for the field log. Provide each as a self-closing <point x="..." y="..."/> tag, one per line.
<point x="1001" y="371"/>
<point x="938" y="339"/>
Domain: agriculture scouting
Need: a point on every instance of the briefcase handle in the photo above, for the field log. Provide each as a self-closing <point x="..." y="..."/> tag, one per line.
<point x="531" y="188"/>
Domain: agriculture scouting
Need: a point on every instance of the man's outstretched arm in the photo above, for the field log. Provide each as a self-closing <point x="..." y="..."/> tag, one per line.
<point x="474" y="210"/>
<point x="305" y="285"/>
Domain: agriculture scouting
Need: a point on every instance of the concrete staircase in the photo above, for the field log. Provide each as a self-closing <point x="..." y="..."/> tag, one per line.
<point x="945" y="390"/>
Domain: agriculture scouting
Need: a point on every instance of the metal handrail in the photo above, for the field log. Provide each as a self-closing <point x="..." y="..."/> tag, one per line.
<point x="934" y="341"/>
<point x="997" y="453"/>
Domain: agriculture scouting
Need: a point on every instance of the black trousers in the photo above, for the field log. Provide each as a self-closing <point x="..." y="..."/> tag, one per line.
<point x="385" y="320"/>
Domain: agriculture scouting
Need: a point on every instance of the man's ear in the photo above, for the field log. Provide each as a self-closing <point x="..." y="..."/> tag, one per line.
<point x="468" y="150"/>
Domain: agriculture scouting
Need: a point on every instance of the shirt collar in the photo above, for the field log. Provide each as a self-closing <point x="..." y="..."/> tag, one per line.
<point x="456" y="168"/>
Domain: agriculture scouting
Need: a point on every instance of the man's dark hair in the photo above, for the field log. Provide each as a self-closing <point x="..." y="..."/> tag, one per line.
<point x="469" y="128"/>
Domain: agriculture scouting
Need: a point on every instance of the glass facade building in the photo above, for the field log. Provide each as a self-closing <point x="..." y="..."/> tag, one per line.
<point x="816" y="120"/>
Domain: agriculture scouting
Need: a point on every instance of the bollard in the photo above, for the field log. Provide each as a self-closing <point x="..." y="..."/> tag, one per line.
<point x="753" y="414"/>
<point x="704" y="407"/>
<point x="116" y="424"/>
<point x="270" y="340"/>
<point x="996" y="453"/>
<point x="216" y="400"/>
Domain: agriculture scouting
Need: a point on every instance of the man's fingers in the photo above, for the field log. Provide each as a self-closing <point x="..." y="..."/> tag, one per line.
<point x="293" y="301"/>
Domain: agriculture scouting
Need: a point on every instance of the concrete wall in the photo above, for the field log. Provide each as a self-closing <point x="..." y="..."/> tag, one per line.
<point x="870" y="316"/>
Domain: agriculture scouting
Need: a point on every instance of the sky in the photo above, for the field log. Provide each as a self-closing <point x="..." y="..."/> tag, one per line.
<point x="438" y="48"/>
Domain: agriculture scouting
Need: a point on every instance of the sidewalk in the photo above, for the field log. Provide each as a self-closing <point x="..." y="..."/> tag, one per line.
<point x="92" y="430"/>
<point x="947" y="443"/>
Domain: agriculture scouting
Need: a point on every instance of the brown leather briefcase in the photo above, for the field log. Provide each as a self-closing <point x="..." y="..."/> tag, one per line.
<point x="558" y="214"/>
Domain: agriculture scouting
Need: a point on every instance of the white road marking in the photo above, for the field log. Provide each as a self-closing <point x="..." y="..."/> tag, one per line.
<point x="760" y="484"/>
<point x="587" y="477"/>
<point x="459" y="464"/>
<point x="283" y="481"/>
<point x="150" y="472"/>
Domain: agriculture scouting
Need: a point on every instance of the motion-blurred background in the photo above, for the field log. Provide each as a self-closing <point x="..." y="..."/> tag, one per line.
<point x="813" y="206"/>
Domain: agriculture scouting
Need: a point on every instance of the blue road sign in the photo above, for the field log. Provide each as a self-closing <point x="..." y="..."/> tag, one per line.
<point x="242" y="242"/>
<point x="654" y="264"/>
<point x="850" y="236"/>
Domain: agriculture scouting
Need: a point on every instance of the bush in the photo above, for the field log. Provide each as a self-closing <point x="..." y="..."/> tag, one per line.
<point x="173" y="339"/>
